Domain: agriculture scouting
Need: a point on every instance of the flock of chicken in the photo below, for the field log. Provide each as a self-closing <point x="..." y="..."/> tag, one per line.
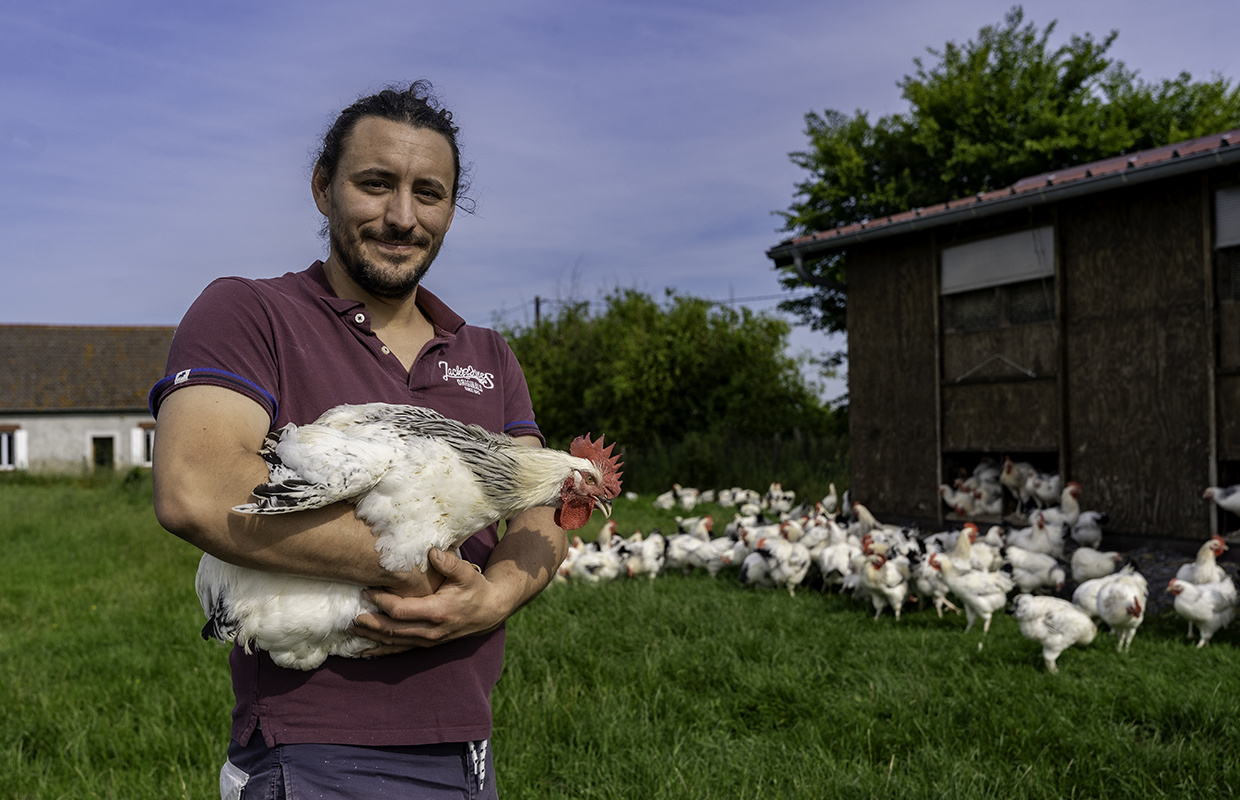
<point x="774" y="544"/>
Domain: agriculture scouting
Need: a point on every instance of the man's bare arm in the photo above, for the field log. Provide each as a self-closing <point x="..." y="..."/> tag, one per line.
<point x="206" y="461"/>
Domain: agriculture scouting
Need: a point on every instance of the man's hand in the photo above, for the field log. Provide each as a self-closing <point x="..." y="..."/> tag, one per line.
<point x="428" y="612"/>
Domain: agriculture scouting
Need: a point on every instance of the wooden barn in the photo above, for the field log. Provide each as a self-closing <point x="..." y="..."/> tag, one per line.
<point x="1086" y="321"/>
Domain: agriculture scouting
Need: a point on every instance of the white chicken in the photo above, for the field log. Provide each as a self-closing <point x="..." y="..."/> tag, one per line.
<point x="962" y="502"/>
<point x="1088" y="563"/>
<point x="688" y="497"/>
<point x="421" y="481"/>
<point x="835" y="562"/>
<point x="667" y="500"/>
<point x="1225" y="497"/>
<point x="755" y="571"/>
<point x="1205" y="569"/>
<point x="697" y="527"/>
<point x="931" y="588"/>
<point x="1043" y="488"/>
<point x="867" y="521"/>
<point x="1054" y="623"/>
<point x="1121" y="605"/>
<point x="831" y="500"/>
<point x="1087" y="531"/>
<point x="1040" y="537"/>
<point x="598" y="566"/>
<point x="982" y="593"/>
<point x="715" y="555"/>
<point x="787" y="563"/>
<point x="1033" y="571"/>
<point x="1014" y="476"/>
<point x="1085" y="596"/>
<point x="1068" y="512"/>
<point x="1209" y="606"/>
<point x="645" y="556"/>
<point x="887" y="582"/>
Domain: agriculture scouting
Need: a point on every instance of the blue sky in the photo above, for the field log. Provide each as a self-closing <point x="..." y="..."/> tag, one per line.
<point x="148" y="147"/>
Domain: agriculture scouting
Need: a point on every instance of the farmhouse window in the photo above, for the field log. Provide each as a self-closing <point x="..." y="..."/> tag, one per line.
<point x="13" y="448"/>
<point x="142" y="444"/>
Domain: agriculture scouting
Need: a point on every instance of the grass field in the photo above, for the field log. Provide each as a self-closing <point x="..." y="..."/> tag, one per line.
<point x="682" y="687"/>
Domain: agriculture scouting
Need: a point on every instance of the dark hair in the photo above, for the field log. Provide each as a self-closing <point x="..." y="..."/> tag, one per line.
<point x="414" y="105"/>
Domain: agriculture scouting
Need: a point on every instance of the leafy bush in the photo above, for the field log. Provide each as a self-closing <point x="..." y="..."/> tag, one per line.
<point x="688" y="389"/>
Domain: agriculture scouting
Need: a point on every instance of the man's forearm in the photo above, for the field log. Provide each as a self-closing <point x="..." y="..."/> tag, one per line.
<point x="527" y="556"/>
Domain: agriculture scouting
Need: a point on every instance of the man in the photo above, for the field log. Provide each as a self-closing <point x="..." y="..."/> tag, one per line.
<point x="412" y="718"/>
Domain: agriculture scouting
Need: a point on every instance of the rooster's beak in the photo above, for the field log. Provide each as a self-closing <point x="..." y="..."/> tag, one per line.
<point x="604" y="505"/>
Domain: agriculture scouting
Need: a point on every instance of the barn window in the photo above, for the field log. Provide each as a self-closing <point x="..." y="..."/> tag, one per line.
<point x="1229" y="275"/>
<point x="1002" y="280"/>
<point x="1227" y="242"/>
<point x="1227" y="217"/>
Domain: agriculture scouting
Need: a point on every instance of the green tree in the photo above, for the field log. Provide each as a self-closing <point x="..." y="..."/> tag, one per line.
<point x="688" y="374"/>
<point x="982" y="116"/>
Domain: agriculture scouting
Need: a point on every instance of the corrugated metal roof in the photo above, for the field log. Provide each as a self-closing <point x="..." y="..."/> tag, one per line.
<point x="1194" y="154"/>
<point x="57" y="368"/>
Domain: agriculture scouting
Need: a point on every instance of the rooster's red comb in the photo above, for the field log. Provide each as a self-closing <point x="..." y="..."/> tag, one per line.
<point x="610" y="465"/>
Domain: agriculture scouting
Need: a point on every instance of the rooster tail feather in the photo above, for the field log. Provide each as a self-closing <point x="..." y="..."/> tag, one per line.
<point x="221" y="626"/>
<point x="293" y="494"/>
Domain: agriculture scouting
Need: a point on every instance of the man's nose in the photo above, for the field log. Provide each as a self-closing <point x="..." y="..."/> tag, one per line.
<point x="401" y="211"/>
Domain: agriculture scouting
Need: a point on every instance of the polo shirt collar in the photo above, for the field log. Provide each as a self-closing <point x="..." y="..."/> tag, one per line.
<point x="443" y="318"/>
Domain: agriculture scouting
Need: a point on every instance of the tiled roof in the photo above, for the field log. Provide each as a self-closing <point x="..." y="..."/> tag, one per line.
<point x="80" y="368"/>
<point x="1200" y="153"/>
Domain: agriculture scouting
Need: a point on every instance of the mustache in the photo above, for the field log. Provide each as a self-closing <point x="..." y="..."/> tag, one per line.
<point x="390" y="235"/>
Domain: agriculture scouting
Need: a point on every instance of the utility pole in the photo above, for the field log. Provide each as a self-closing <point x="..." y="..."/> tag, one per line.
<point x="537" y="310"/>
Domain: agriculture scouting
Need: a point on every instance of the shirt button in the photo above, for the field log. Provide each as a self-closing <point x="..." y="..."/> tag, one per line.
<point x="359" y="319"/>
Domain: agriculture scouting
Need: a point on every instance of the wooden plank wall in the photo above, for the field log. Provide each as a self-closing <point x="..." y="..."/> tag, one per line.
<point x="990" y="405"/>
<point x="891" y="378"/>
<point x="1136" y="348"/>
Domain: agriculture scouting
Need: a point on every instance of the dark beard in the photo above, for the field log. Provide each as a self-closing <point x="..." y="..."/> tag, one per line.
<point x="367" y="274"/>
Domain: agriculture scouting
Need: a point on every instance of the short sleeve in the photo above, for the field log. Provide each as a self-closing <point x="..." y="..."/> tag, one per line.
<point x="225" y="339"/>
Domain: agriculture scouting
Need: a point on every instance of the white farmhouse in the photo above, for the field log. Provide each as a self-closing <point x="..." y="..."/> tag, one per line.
<point x="73" y="398"/>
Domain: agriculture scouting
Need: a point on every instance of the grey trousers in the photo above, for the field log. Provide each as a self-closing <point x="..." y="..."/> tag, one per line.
<point x="456" y="771"/>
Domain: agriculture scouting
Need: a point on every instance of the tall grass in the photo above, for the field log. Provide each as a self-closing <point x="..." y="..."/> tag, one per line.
<point x="681" y="687"/>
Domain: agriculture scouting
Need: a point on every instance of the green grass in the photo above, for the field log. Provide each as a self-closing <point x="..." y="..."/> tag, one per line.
<point x="673" y="688"/>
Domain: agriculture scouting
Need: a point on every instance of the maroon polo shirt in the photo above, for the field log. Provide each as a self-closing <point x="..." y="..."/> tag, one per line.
<point x="294" y="347"/>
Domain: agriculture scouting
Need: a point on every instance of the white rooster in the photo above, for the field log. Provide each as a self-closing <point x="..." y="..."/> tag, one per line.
<point x="1210" y="606"/>
<point x="1054" y="623"/>
<point x="421" y="481"/>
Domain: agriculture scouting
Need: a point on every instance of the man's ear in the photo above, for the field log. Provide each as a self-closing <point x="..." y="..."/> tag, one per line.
<point x="318" y="187"/>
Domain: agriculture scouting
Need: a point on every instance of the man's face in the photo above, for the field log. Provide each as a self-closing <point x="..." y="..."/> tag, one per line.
<point x="388" y="206"/>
